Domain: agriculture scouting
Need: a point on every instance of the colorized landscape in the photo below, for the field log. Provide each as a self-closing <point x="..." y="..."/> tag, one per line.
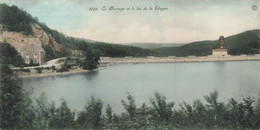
<point x="122" y="67"/>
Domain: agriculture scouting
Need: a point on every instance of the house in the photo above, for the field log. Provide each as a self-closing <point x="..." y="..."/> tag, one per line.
<point x="32" y="53"/>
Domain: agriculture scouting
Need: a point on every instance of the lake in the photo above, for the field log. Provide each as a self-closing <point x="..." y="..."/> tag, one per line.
<point x="178" y="82"/>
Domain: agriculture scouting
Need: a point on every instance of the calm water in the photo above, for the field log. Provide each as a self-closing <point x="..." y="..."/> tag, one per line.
<point x="177" y="81"/>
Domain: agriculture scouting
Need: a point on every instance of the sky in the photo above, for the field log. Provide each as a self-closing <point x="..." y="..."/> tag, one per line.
<point x="182" y="21"/>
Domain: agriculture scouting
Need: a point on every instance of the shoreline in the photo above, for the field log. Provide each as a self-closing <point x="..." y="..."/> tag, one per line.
<point x="124" y="60"/>
<point x="49" y="73"/>
<point x="130" y="60"/>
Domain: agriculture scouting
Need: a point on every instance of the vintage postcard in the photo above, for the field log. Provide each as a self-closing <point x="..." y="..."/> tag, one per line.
<point x="130" y="64"/>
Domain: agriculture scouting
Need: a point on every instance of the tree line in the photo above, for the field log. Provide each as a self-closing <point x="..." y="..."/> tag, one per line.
<point x="14" y="19"/>
<point x="243" y="43"/>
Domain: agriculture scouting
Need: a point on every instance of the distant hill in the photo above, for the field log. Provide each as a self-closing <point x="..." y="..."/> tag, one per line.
<point x="154" y="45"/>
<point x="243" y="43"/>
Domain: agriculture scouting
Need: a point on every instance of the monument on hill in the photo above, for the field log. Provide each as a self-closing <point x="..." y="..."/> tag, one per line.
<point x="219" y="50"/>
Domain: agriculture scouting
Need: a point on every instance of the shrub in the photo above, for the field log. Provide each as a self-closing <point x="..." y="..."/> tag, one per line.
<point x="130" y="107"/>
<point x="91" y="117"/>
<point x="64" y="67"/>
<point x="39" y="70"/>
<point x="163" y="110"/>
<point x="25" y="70"/>
<point x="5" y="69"/>
<point x="53" y="67"/>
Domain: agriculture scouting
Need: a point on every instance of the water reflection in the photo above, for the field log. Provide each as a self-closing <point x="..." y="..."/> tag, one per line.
<point x="91" y="75"/>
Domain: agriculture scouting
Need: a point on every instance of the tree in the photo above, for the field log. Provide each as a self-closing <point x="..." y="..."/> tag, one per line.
<point x="9" y="55"/>
<point x="16" y="110"/>
<point x="91" y="60"/>
<point x="91" y="117"/>
<point x="130" y="107"/>
<point x="257" y="111"/>
<point x="49" y="53"/>
<point x="163" y="110"/>
<point x="15" y="19"/>
<point x="63" y="117"/>
<point x="109" y="113"/>
<point x="5" y="70"/>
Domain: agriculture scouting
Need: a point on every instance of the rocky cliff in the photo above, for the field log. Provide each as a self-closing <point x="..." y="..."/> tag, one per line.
<point x="39" y="36"/>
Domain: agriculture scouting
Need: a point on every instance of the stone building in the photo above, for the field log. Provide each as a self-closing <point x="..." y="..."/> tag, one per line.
<point x="219" y="50"/>
<point x="32" y="52"/>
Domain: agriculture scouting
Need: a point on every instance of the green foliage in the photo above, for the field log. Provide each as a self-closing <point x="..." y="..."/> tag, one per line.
<point x="53" y="68"/>
<point x="91" y="117"/>
<point x="243" y="43"/>
<point x="91" y="60"/>
<point x="64" y="67"/>
<point x="15" y="19"/>
<point x="44" y="112"/>
<point x="115" y="50"/>
<point x="212" y="115"/>
<point x="39" y="70"/>
<point x="9" y="55"/>
<point x="65" y="51"/>
<point x="130" y="107"/>
<point x="24" y="70"/>
<point x="62" y="117"/>
<point x="15" y="110"/>
<point x="257" y="112"/>
<point x="49" y="53"/>
<point x="109" y="113"/>
<point x="47" y="116"/>
<point x="162" y="110"/>
<point x="216" y="114"/>
<point x="5" y="70"/>
<point x="18" y="112"/>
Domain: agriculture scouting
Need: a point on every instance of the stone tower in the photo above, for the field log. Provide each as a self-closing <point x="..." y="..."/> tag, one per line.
<point x="219" y="50"/>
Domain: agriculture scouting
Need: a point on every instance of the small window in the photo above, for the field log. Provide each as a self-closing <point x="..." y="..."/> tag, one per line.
<point x="35" y="55"/>
<point x="27" y="55"/>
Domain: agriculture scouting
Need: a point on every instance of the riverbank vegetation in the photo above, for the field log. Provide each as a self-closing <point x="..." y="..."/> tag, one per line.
<point x="18" y="111"/>
<point x="89" y="62"/>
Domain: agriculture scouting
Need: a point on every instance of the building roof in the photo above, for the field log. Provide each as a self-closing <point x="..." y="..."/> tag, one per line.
<point x="30" y="47"/>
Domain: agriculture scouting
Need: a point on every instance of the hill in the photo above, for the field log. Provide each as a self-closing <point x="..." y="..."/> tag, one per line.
<point x="243" y="43"/>
<point x="154" y="45"/>
<point x="17" y="25"/>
